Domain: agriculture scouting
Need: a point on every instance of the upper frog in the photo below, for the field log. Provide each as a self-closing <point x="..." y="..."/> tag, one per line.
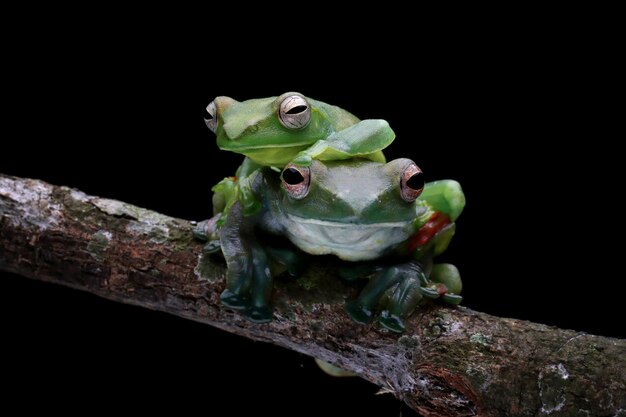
<point x="365" y="212"/>
<point x="291" y="128"/>
<point x="276" y="130"/>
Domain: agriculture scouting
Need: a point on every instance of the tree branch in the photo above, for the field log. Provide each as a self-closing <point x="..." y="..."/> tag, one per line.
<point x="450" y="362"/>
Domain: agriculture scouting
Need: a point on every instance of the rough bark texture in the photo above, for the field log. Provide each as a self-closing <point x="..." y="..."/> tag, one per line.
<point x="450" y="362"/>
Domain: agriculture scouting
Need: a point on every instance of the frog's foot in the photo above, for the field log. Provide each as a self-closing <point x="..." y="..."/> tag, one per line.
<point x="396" y="288"/>
<point x="233" y="300"/>
<point x="391" y="322"/>
<point x="333" y="370"/>
<point x="212" y="247"/>
<point x="446" y="284"/>
<point x="258" y="314"/>
<point x="207" y="229"/>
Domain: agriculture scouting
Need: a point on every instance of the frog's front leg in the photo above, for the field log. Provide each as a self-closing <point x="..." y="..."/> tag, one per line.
<point x="365" y="139"/>
<point x="401" y="302"/>
<point x="401" y="284"/>
<point x="248" y="280"/>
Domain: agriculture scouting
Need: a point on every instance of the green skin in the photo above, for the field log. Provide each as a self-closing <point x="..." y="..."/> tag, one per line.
<point x="253" y="128"/>
<point x="352" y="209"/>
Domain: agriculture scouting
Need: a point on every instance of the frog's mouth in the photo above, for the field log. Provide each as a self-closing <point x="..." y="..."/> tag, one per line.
<point x="268" y="146"/>
<point x="277" y="155"/>
<point x="348" y="241"/>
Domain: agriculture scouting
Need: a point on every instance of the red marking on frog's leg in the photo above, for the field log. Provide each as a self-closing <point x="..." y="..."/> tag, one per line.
<point x="441" y="288"/>
<point x="437" y="222"/>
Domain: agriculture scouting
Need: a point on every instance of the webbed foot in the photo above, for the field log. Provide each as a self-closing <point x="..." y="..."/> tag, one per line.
<point x="446" y="284"/>
<point x="206" y="230"/>
<point x="258" y="314"/>
<point x="212" y="247"/>
<point x="391" y="322"/>
<point x="234" y="301"/>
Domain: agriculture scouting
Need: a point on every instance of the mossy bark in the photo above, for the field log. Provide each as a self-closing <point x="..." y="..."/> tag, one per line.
<point x="450" y="362"/>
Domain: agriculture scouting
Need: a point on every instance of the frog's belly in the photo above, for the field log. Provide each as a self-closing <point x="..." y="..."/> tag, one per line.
<point x="351" y="242"/>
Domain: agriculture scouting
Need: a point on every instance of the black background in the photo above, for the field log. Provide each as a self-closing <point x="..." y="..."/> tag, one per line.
<point x="520" y="123"/>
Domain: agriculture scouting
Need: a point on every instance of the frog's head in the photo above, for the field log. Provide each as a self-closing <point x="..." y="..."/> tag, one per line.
<point x="283" y="125"/>
<point x="355" y="209"/>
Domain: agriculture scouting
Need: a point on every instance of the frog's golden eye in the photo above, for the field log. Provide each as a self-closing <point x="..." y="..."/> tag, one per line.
<point x="210" y="116"/>
<point x="412" y="183"/>
<point x="296" y="181"/>
<point x="294" y="112"/>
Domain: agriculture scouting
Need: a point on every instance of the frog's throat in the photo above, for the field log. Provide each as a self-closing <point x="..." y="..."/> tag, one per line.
<point x="271" y="155"/>
<point x="339" y="224"/>
<point x="348" y="241"/>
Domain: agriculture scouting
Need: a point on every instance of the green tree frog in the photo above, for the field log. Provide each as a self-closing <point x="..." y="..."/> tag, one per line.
<point x="274" y="131"/>
<point x="378" y="217"/>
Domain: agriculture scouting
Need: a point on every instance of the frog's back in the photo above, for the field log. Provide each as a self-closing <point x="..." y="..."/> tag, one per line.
<point x="339" y="118"/>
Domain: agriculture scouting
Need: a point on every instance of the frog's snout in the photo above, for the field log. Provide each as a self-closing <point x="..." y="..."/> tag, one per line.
<point x="222" y="103"/>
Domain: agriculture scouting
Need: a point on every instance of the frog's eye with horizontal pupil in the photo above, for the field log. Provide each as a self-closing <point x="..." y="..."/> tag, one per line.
<point x="412" y="183"/>
<point x="210" y="116"/>
<point x="294" y="112"/>
<point x="296" y="181"/>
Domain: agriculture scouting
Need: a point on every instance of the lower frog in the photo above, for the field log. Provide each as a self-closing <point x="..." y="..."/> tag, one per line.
<point x="379" y="217"/>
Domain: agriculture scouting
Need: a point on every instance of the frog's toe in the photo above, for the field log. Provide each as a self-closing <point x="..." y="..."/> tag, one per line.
<point x="258" y="314"/>
<point x="359" y="312"/>
<point x="234" y="301"/>
<point x="448" y="275"/>
<point x="391" y="322"/>
<point x="302" y="160"/>
<point x="201" y="231"/>
<point x="206" y="230"/>
<point x="453" y="299"/>
<point x="433" y="292"/>
<point x="212" y="247"/>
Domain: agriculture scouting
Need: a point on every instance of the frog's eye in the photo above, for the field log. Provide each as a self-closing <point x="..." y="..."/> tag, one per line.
<point x="210" y="116"/>
<point x="412" y="183"/>
<point x="296" y="181"/>
<point x="294" y="112"/>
